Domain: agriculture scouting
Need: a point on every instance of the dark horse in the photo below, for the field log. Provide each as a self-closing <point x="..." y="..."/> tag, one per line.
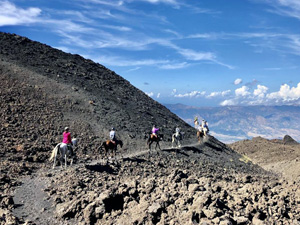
<point x="109" y="145"/>
<point x="200" y="135"/>
<point x="152" y="139"/>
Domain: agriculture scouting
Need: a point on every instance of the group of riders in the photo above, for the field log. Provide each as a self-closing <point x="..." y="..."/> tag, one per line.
<point x="201" y="128"/>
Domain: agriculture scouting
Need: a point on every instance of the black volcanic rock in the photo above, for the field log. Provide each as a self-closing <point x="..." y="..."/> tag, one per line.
<point x="44" y="89"/>
<point x="288" y="140"/>
<point x="91" y="93"/>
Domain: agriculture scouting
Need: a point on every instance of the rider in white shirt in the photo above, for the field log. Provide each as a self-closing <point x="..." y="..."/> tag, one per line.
<point x="112" y="135"/>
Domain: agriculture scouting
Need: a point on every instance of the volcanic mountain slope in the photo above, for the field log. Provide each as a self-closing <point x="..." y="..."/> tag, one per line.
<point x="90" y="93"/>
<point x="280" y="156"/>
<point x="43" y="90"/>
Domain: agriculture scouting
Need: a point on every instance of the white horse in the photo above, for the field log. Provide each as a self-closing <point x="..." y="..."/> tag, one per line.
<point x="176" y="137"/>
<point x="64" y="151"/>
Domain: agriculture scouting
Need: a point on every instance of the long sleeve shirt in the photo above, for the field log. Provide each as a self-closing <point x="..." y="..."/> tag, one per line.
<point x="67" y="138"/>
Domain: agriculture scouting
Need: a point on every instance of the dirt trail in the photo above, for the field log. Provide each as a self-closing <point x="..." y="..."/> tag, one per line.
<point x="32" y="202"/>
<point x="34" y="205"/>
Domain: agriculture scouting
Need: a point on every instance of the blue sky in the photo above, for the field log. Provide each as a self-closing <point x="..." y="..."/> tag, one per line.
<point x="200" y="53"/>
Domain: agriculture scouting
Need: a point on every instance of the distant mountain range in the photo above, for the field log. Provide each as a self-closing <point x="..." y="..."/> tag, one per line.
<point x="234" y="123"/>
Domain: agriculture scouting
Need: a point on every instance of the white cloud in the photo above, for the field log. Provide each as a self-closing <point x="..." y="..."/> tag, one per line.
<point x="286" y="93"/>
<point x="158" y="95"/>
<point x="12" y="15"/>
<point x="174" y="91"/>
<point x="228" y="102"/>
<point x="243" y="91"/>
<point x="150" y="94"/>
<point x="196" y="56"/>
<point x="260" y="91"/>
<point x="133" y="69"/>
<point x="219" y="94"/>
<point x="118" y="28"/>
<point x="238" y="81"/>
<point x="174" y="66"/>
<point x="116" y="61"/>
<point x="289" y="8"/>
<point x="173" y="2"/>
<point x="192" y="94"/>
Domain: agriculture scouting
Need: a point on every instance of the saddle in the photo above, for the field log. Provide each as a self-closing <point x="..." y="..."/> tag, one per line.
<point x="152" y="136"/>
<point x="110" y="141"/>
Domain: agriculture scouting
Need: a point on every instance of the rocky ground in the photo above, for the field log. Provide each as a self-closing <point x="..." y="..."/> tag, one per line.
<point x="279" y="156"/>
<point x="200" y="184"/>
<point x="43" y="90"/>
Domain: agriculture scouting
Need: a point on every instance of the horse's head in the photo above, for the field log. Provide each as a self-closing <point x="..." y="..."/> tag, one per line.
<point x="120" y="143"/>
<point x="74" y="141"/>
<point x="160" y="136"/>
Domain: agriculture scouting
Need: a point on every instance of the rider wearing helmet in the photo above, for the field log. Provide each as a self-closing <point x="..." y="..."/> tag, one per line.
<point x="196" y="122"/>
<point x="67" y="139"/>
<point x="205" y="127"/>
<point x="177" y="131"/>
<point x="112" y="134"/>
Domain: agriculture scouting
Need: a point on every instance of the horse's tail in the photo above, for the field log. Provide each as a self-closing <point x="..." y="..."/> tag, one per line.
<point x="102" y="145"/>
<point x="54" y="152"/>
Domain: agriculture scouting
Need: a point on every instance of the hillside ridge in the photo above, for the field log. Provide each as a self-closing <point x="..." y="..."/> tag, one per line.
<point x="113" y="101"/>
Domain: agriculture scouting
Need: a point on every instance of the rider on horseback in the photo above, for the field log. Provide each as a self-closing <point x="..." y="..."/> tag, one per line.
<point x="204" y="127"/>
<point x="67" y="139"/>
<point x="154" y="131"/>
<point x="112" y="136"/>
<point x="196" y="122"/>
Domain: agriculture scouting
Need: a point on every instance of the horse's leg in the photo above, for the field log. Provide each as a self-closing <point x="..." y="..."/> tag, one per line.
<point x="149" y="147"/>
<point x="71" y="157"/>
<point x="55" y="155"/>
<point x="157" y="144"/>
<point x="106" y="154"/>
<point x="201" y="137"/>
<point x="173" y="140"/>
<point x="62" y="155"/>
<point x="65" y="160"/>
<point x="61" y="160"/>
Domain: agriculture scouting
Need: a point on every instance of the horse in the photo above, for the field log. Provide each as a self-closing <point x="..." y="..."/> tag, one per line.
<point x="176" y="137"/>
<point x="109" y="145"/>
<point x="200" y="135"/>
<point x="152" y="138"/>
<point x="64" y="151"/>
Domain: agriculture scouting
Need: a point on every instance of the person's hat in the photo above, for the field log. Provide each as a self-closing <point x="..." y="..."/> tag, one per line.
<point x="112" y="128"/>
<point x="66" y="128"/>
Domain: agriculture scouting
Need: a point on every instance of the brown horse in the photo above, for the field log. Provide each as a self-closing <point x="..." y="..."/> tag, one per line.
<point x="152" y="138"/>
<point x="109" y="145"/>
<point x="200" y="135"/>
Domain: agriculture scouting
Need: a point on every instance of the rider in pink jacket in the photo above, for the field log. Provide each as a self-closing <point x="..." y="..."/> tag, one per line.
<point x="67" y="136"/>
<point x="67" y="139"/>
